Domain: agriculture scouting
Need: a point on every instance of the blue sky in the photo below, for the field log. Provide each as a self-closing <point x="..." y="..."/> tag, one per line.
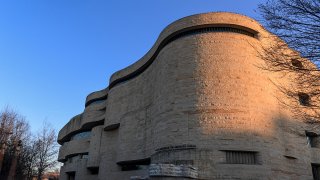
<point x="54" y="53"/>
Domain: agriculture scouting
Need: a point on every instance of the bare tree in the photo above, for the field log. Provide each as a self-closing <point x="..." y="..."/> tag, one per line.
<point x="24" y="155"/>
<point x="7" y="118"/>
<point x="13" y="131"/>
<point x="19" y="134"/>
<point x="27" y="160"/>
<point x="297" y="23"/>
<point x="46" y="148"/>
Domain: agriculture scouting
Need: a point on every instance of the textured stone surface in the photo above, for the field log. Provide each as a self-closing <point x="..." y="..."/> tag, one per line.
<point x="204" y="94"/>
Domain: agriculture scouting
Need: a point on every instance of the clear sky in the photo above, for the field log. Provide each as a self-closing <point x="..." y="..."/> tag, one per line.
<point x="53" y="53"/>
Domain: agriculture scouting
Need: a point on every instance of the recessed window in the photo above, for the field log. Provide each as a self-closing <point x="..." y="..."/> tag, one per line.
<point x="130" y="167"/>
<point x="94" y="170"/>
<point x="304" y="99"/>
<point x="84" y="156"/>
<point x="70" y="159"/>
<point x="112" y="127"/>
<point x="100" y="101"/>
<point x="297" y="63"/>
<point x="82" y="135"/>
<point x="316" y="171"/>
<point x="97" y="101"/>
<point x="312" y="139"/>
<point x="133" y="165"/>
<point x="241" y="157"/>
<point x="71" y="175"/>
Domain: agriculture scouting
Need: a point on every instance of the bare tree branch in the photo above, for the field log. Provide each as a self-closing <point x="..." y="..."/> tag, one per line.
<point x="297" y="23"/>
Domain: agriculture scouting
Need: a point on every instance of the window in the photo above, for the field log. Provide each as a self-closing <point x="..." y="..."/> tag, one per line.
<point x="241" y="157"/>
<point x="312" y="139"/>
<point x="316" y="171"/>
<point x="94" y="170"/>
<point x="132" y="165"/>
<point x="304" y="99"/>
<point x="296" y="63"/>
<point x="100" y="101"/>
<point x="112" y="127"/>
<point x="71" y="175"/>
<point x="97" y="101"/>
<point x="84" y="156"/>
<point x="82" y="135"/>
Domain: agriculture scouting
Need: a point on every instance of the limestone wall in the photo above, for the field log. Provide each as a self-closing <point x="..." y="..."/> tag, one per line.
<point x="198" y="99"/>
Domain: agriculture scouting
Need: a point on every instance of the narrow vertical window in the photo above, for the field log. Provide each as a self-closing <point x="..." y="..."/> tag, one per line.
<point x="316" y="171"/>
<point x="312" y="139"/>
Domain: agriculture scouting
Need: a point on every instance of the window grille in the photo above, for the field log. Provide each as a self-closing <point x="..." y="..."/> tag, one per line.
<point x="241" y="157"/>
<point x="212" y="29"/>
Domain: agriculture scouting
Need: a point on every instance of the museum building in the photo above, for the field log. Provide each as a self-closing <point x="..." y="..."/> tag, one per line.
<point x="198" y="105"/>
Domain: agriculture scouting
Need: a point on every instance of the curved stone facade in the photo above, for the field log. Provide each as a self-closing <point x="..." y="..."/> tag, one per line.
<point x="197" y="105"/>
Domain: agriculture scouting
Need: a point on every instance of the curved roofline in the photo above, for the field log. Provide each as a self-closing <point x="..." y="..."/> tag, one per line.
<point x="169" y="31"/>
<point x="166" y="41"/>
<point x="172" y="32"/>
<point x="187" y="22"/>
<point x="215" y="12"/>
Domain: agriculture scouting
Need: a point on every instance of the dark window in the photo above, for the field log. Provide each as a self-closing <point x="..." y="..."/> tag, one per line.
<point x="132" y="165"/>
<point x="241" y="157"/>
<point x="312" y="139"/>
<point x="112" y="127"/>
<point x="296" y="63"/>
<point x="71" y="175"/>
<point x="290" y="157"/>
<point x="70" y="159"/>
<point x="209" y="30"/>
<point x="304" y="99"/>
<point x="94" y="170"/>
<point x="316" y="171"/>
